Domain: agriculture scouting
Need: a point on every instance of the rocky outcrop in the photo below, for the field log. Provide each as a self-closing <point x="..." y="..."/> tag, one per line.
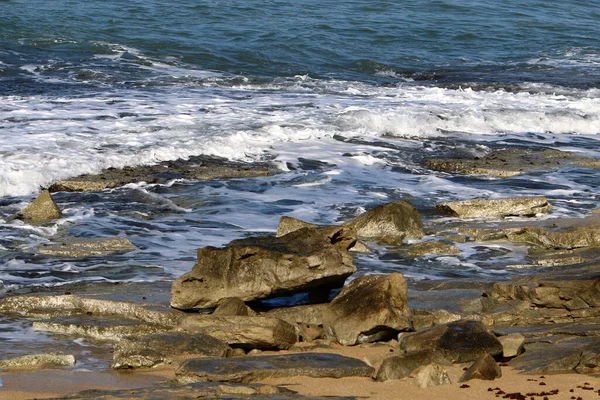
<point x="484" y="368"/>
<point x="40" y="210"/>
<point x="38" y="361"/>
<point x="370" y="308"/>
<point x="244" y="332"/>
<point x="148" y="351"/>
<point x="267" y="266"/>
<point x="197" y="168"/>
<point x="512" y="162"/>
<point x="84" y="247"/>
<point x="460" y="341"/>
<point x="495" y="208"/>
<point x="256" y="368"/>
<point x="402" y="366"/>
<point x="389" y="223"/>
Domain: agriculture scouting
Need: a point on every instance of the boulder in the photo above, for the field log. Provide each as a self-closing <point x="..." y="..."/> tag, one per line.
<point x="314" y="314"/>
<point x="289" y="224"/>
<point x="432" y="375"/>
<point x="402" y="366"/>
<point x="370" y="308"/>
<point x="39" y="360"/>
<point x="266" y="266"/>
<point x="85" y="247"/>
<point x="431" y="247"/>
<point x="245" y="332"/>
<point x="460" y="341"/>
<point x="256" y="368"/>
<point x="496" y="208"/>
<point x="506" y="163"/>
<point x="233" y="306"/>
<point x="389" y="223"/>
<point x="484" y="368"/>
<point x="40" y="210"/>
<point x="512" y="344"/>
<point x="148" y="351"/>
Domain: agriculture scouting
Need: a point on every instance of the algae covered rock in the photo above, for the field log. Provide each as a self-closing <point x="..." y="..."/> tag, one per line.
<point x="42" y="209"/>
<point x="39" y="360"/>
<point x="496" y="208"/>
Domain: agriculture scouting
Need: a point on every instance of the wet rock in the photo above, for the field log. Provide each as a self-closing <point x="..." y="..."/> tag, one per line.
<point x="289" y="224"/>
<point x="512" y="162"/>
<point x="432" y="375"/>
<point x="192" y="391"/>
<point x="390" y="223"/>
<point x="245" y="332"/>
<point x="460" y="341"/>
<point x="496" y="208"/>
<point x="568" y="355"/>
<point x="84" y="247"/>
<point x="484" y="368"/>
<point x="98" y="331"/>
<point x="69" y="304"/>
<point x="370" y="308"/>
<point x="512" y="344"/>
<point x="42" y="209"/>
<point x="403" y="365"/>
<point x="39" y="360"/>
<point x="256" y="368"/>
<point x="431" y="247"/>
<point x="233" y="306"/>
<point x="267" y="266"/>
<point x="148" y="351"/>
<point x="198" y="168"/>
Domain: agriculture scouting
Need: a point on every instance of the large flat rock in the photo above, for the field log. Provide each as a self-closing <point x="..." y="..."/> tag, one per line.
<point x="256" y="368"/>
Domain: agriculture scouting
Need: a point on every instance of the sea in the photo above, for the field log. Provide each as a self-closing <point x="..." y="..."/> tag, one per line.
<point x="347" y="98"/>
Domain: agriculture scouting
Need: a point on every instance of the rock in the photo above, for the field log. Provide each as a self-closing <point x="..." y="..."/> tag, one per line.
<point x="512" y="345"/>
<point x="431" y="247"/>
<point x="233" y="306"/>
<point x="460" y="341"/>
<point x="496" y="208"/>
<point x="426" y="318"/>
<point x="390" y="223"/>
<point x="512" y="162"/>
<point x="69" y="304"/>
<point x="289" y="224"/>
<point x="314" y="314"/>
<point x="569" y="355"/>
<point x="256" y="368"/>
<point x="370" y="308"/>
<point x="42" y="209"/>
<point x="98" y="331"/>
<point x="267" y="266"/>
<point x="192" y="391"/>
<point x="148" y="351"/>
<point x="245" y="332"/>
<point x="484" y="368"/>
<point x="39" y="360"/>
<point x="402" y="366"/>
<point x="196" y="168"/>
<point x="432" y="375"/>
<point x="84" y="247"/>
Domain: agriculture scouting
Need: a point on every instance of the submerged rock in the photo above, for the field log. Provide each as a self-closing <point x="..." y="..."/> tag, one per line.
<point x="42" y="209"/>
<point x="38" y="360"/>
<point x="460" y="341"/>
<point x="512" y="162"/>
<point x="148" y="351"/>
<point x="198" y="168"/>
<point x="267" y="266"/>
<point x="370" y="308"/>
<point x="84" y="247"/>
<point x="256" y="368"/>
<point x="245" y="332"/>
<point x="485" y="368"/>
<point x="390" y="223"/>
<point x="496" y="208"/>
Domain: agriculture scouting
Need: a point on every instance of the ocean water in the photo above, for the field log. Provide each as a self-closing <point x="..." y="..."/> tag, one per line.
<point x="368" y="88"/>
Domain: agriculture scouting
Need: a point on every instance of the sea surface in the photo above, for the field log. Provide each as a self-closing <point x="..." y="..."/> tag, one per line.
<point x="347" y="98"/>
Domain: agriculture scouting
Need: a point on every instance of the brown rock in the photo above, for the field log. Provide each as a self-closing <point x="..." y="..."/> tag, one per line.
<point x="431" y="247"/>
<point x="512" y="345"/>
<point x="484" y="368"/>
<point x="267" y="266"/>
<point x="403" y="365"/>
<point x="38" y="360"/>
<point x="390" y="223"/>
<point x="432" y="375"/>
<point x="233" y="306"/>
<point x="84" y="247"/>
<point x="290" y="224"/>
<point x="496" y="208"/>
<point x="370" y="308"/>
<point x="42" y="209"/>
